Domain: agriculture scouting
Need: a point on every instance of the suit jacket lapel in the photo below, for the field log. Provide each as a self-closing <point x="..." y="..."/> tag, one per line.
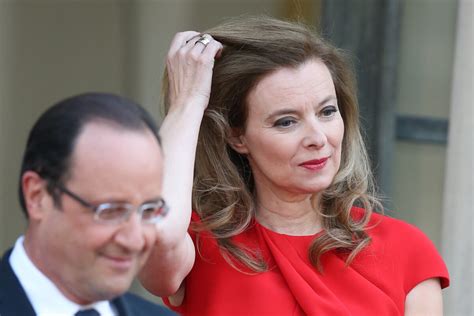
<point x="122" y="307"/>
<point x="13" y="299"/>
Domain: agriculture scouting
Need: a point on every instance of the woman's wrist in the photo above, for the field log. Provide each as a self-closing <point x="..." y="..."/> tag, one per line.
<point x="190" y="106"/>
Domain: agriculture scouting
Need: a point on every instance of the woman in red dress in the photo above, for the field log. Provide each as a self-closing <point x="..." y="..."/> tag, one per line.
<point x="262" y="140"/>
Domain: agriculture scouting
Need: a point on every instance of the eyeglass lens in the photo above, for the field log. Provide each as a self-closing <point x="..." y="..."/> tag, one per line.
<point x="117" y="212"/>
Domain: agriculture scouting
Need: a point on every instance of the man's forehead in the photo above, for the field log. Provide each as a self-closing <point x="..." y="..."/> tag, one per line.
<point x="99" y="130"/>
<point x="104" y="144"/>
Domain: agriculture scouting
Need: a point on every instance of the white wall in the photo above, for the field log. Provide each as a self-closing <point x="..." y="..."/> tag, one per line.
<point x="458" y="245"/>
<point x="428" y="29"/>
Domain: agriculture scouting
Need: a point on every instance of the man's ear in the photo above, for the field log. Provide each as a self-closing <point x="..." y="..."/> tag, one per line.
<point x="34" y="194"/>
<point x="237" y="142"/>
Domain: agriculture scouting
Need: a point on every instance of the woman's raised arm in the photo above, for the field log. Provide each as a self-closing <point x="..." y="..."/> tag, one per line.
<point x="189" y="70"/>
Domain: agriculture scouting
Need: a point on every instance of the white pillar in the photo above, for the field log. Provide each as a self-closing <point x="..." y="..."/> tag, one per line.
<point x="458" y="193"/>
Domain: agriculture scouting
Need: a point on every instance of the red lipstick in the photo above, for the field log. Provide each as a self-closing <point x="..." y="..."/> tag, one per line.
<point x="315" y="164"/>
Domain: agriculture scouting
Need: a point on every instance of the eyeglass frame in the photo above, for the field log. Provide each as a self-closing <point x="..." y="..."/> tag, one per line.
<point x="130" y="207"/>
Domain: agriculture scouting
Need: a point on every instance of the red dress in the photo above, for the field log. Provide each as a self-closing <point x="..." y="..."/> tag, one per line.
<point x="376" y="283"/>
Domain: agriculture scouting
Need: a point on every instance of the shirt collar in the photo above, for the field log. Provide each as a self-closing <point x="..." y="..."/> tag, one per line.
<point x="42" y="293"/>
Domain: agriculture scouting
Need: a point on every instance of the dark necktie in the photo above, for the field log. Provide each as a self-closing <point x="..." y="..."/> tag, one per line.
<point x="87" y="312"/>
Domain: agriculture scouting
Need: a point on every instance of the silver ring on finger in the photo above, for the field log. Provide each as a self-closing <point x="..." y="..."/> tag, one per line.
<point x="203" y="40"/>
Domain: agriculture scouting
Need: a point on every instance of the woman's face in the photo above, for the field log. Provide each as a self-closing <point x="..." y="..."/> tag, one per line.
<point x="294" y="131"/>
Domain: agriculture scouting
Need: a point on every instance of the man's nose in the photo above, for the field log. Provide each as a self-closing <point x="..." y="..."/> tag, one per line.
<point x="131" y="234"/>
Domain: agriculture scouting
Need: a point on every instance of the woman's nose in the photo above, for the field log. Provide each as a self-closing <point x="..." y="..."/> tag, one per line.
<point x="315" y="136"/>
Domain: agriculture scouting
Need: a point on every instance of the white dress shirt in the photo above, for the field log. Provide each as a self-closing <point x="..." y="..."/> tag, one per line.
<point x="43" y="294"/>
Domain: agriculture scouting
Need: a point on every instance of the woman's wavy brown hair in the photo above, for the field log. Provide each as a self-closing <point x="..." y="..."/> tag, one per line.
<point x="223" y="192"/>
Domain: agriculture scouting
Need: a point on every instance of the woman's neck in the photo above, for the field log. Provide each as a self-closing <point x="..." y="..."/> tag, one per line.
<point x="296" y="217"/>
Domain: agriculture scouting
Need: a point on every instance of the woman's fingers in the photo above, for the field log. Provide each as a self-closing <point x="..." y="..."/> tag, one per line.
<point x="180" y="40"/>
<point x="204" y="50"/>
<point x="201" y="43"/>
<point x="193" y="43"/>
<point x="206" y="46"/>
<point x="213" y="49"/>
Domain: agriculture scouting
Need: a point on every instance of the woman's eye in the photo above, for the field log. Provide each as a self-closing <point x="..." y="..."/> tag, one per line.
<point x="328" y="111"/>
<point x="285" y="122"/>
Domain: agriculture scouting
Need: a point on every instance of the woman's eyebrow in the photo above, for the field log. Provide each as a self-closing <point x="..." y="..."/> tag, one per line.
<point x="286" y="111"/>
<point x="327" y="99"/>
<point x="283" y="111"/>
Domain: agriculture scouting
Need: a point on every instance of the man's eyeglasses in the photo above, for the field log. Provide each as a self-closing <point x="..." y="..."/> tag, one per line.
<point x="115" y="213"/>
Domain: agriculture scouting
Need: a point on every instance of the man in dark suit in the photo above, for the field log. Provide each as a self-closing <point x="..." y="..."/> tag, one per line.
<point x="90" y="186"/>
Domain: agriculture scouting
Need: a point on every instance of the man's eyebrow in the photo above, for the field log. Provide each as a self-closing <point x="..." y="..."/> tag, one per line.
<point x="122" y="201"/>
<point x="152" y="200"/>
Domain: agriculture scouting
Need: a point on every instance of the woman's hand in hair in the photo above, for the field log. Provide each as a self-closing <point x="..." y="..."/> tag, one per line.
<point x="189" y="69"/>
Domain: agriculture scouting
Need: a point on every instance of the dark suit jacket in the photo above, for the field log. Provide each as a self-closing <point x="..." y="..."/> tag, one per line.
<point x="14" y="302"/>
